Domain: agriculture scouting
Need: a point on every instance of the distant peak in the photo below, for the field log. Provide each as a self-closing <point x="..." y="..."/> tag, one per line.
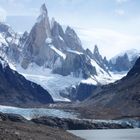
<point x="69" y="31"/>
<point x="43" y="9"/>
<point x="96" y="50"/>
<point x="69" y="28"/>
<point x="43" y="13"/>
<point x="53" y="22"/>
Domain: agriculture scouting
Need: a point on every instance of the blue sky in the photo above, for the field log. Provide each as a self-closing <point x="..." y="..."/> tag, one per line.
<point x="107" y="23"/>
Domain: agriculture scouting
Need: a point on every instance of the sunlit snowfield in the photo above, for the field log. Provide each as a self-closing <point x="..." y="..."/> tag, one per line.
<point x="110" y="134"/>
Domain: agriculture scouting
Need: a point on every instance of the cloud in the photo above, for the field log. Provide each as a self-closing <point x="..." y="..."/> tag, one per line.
<point x="121" y="1"/>
<point x="120" y="12"/>
<point x="3" y="14"/>
<point x="18" y="8"/>
<point x="110" y="42"/>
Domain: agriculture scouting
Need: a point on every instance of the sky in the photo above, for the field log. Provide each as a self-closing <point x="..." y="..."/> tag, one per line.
<point x="111" y="24"/>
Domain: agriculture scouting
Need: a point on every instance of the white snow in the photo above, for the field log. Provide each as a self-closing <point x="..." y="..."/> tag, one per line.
<point x="3" y="41"/>
<point x="9" y="39"/>
<point x="53" y="83"/>
<point x="117" y="75"/>
<point x="103" y="77"/>
<point x="58" y="52"/>
<point x="48" y="40"/>
<point x="73" y="51"/>
<point x="33" y="112"/>
<point x="89" y="81"/>
<point x="61" y="38"/>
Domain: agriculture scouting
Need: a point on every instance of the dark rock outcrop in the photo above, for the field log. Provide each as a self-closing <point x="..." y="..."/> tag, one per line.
<point x="135" y="70"/>
<point x="15" y="90"/>
<point x="84" y="91"/>
<point x="121" y="98"/>
<point x="17" y="128"/>
<point x="122" y="63"/>
<point x="12" y="117"/>
<point x="76" y="124"/>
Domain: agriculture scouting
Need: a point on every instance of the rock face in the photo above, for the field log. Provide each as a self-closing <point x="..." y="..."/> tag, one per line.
<point x="77" y="124"/>
<point x="35" y="43"/>
<point x="135" y="70"/>
<point x="72" y="40"/>
<point x="124" y="61"/>
<point x="9" y="43"/>
<point x="16" y="127"/>
<point x="50" y="46"/>
<point x="121" y="98"/>
<point x="84" y="91"/>
<point x="15" y="90"/>
<point x="12" y="117"/>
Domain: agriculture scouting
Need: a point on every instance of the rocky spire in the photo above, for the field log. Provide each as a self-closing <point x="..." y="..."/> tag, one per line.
<point x="33" y="47"/>
<point x="96" y="50"/>
<point x="72" y="40"/>
<point x="44" y="19"/>
<point x="96" y="54"/>
<point x="43" y="9"/>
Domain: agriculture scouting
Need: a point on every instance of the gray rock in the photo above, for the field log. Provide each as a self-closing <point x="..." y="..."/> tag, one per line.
<point x="77" y="124"/>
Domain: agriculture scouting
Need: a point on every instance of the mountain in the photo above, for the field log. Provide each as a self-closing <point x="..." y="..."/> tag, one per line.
<point x="61" y="51"/>
<point x="124" y="61"/>
<point x="15" y="90"/>
<point x="55" y="58"/>
<point x="116" y="100"/>
<point x="9" y="43"/>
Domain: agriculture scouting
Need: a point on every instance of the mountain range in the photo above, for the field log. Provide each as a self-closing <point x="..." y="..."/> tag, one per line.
<point x="15" y="90"/>
<point x="55" y="59"/>
<point x="117" y="100"/>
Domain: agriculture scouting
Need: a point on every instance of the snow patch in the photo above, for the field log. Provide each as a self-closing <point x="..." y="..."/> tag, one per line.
<point x="3" y="41"/>
<point x="61" y="38"/>
<point x="73" y="51"/>
<point x="89" y="81"/>
<point x="58" y="52"/>
<point x="48" y="40"/>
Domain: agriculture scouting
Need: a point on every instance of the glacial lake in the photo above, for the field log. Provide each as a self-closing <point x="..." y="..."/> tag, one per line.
<point x="109" y="134"/>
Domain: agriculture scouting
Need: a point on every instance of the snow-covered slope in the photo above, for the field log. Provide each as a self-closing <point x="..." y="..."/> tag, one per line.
<point x="54" y="83"/>
<point x="53" y="58"/>
<point x="57" y="84"/>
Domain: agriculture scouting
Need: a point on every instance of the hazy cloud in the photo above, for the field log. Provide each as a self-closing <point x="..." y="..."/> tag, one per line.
<point x="107" y="39"/>
<point x="3" y="14"/>
<point x="121" y="1"/>
<point x="120" y="12"/>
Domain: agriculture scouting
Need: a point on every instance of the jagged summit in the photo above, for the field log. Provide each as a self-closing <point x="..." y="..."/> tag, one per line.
<point x="60" y="53"/>
<point x="96" y="50"/>
<point x="43" y="9"/>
